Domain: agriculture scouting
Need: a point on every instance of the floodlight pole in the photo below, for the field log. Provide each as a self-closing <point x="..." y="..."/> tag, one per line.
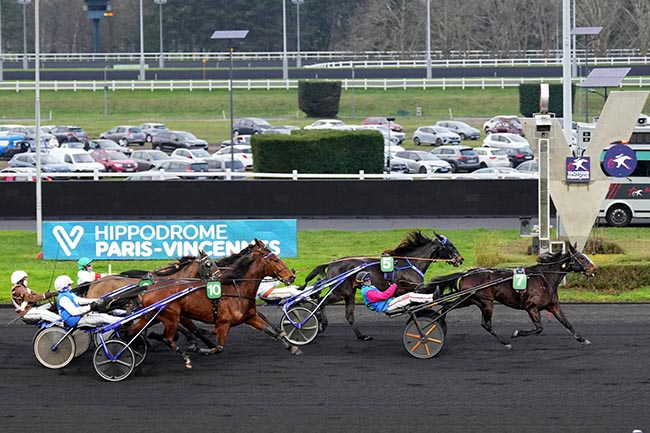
<point x="232" y="136"/>
<point x="141" y="44"/>
<point x="285" y="61"/>
<point x="37" y="122"/>
<point x="429" y="39"/>
<point x="1" y="60"/>
<point x="389" y="119"/>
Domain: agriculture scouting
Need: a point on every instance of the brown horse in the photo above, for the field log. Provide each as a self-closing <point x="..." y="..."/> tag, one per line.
<point x="239" y="284"/>
<point x="185" y="267"/>
<point x="412" y="258"/>
<point x="540" y="293"/>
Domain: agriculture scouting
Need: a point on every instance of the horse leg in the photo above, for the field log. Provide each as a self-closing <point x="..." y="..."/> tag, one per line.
<point x="536" y="318"/>
<point x="171" y="326"/>
<point x="197" y="332"/>
<point x="260" y="323"/>
<point x="349" y="315"/>
<point x="559" y="315"/>
<point x="486" y="323"/>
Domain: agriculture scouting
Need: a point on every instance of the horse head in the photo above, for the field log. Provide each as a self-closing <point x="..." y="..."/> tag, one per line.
<point x="580" y="262"/>
<point x="207" y="267"/>
<point x="274" y="266"/>
<point x="448" y="251"/>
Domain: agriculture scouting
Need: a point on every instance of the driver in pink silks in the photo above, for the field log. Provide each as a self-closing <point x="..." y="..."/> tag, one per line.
<point x="383" y="302"/>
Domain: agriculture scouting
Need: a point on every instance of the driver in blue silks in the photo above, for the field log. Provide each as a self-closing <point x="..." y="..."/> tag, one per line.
<point x="78" y="311"/>
<point x="383" y="302"/>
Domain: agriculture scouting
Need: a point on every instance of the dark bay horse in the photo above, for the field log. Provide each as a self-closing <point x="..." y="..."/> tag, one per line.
<point x="412" y="257"/>
<point x="239" y="284"/>
<point x="542" y="281"/>
<point x="185" y="267"/>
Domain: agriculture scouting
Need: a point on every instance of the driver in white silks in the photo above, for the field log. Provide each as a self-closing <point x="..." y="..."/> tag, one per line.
<point x="78" y="311"/>
<point x="383" y="302"/>
<point x="269" y="290"/>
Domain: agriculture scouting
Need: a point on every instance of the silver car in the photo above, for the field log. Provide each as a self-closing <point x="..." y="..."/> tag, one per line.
<point x="125" y="135"/>
<point x="435" y="136"/>
<point x="419" y="161"/>
<point x="460" y="128"/>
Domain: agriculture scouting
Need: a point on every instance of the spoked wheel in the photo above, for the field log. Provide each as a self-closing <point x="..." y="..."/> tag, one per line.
<point x="140" y="348"/>
<point x="114" y="361"/>
<point x="82" y="341"/>
<point x="312" y="305"/>
<point x="309" y="330"/>
<point x="53" y="348"/>
<point x="423" y="337"/>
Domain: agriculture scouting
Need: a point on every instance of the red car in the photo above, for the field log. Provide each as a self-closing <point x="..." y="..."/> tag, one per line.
<point x="114" y="161"/>
<point x="383" y="121"/>
<point x="510" y="124"/>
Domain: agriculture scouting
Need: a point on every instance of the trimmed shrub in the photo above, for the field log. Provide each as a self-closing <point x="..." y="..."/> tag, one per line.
<point x="529" y="99"/>
<point x="324" y="151"/>
<point x="319" y="98"/>
<point x="614" y="278"/>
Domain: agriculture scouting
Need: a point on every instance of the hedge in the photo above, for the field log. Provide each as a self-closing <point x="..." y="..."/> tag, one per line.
<point x="613" y="278"/>
<point x="319" y="98"/>
<point x="529" y="99"/>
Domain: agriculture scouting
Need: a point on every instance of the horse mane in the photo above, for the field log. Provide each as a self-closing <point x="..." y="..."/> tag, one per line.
<point x="550" y="258"/>
<point x="238" y="269"/>
<point x="174" y="267"/>
<point x="228" y="261"/>
<point x="413" y="240"/>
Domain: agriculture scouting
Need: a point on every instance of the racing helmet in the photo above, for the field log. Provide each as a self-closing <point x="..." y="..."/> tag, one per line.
<point x="363" y="276"/>
<point x="61" y="282"/>
<point x="17" y="276"/>
<point x="83" y="262"/>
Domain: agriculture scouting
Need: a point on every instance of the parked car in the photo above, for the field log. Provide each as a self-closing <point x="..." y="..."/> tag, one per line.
<point x="383" y="121"/>
<point x="20" y="174"/>
<point x="79" y="159"/>
<point x="435" y="135"/>
<point x="238" y="139"/>
<point x="529" y="166"/>
<point x="397" y="164"/>
<point x="459" y="157"/>
<point x="69" y="133"/>
<point x="505" y="139"/>
<point x="152" y="175"/>
<point x="10" y="145"/>
<point x="461" y="128"/>
<point x="510" y="124"/>
<point x="241" y="152"/>
<point x="149" y="159"/>
<point x="492" y="157"/>
<point x="395" y="137"/>
<point x="177" y="166"/>
<point x="192" y="154"/>
<point x="326" y="124"/>
<point x="114" y="161"/>
<point x="419" y="161"/>
<point x="282" y="129"/>
<point x="49" y="164"/>
<point x="106" y="144"/>
<point x="125" y="135"/>
<point x="502" y="173"/>
<point x="168" y="141"/>
<point x="250" y="126"/>
<point x="151" y="129"/>
<point x="518" y="155"/>
<point x="29" y="135"/>
<point x="223" y="163"/>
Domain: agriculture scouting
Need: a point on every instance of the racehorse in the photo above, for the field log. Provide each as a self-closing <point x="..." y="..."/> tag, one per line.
<point x="412" y="257"/>
<point x="185" y="267"/>
<point x="237" y="305"/>
<point x="540" y="293"/>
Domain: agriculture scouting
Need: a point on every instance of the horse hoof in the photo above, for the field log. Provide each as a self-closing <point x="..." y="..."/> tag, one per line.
<point x="188" y="366"/>
<point x="193" y="348"/>
<point x="365" y="337"/>
<point x="508" y="346"/>
<point x="586" y="342"/>
<point x="204" y="351"/>
<point x="296" y="352"/>
<point x="515" y="334"/>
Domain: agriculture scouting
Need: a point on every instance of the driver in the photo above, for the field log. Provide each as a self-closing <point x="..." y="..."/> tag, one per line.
<point x="382" y="302"/>
<point x="78" y="311"/>
<point x="269" y="290"/>
<point x="86" y="273"/>
<point x="25" y="300"/>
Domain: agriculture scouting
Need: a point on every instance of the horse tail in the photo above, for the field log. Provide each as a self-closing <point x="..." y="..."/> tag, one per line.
<point x="320" y="270"/>
<point x="439" y="285"/>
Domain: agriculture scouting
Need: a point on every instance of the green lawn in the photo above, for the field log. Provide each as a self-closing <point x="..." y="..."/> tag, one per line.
<point x="479" y="247"/>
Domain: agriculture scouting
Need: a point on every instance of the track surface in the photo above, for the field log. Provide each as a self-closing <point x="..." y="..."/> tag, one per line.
<point x="547" y="383"/>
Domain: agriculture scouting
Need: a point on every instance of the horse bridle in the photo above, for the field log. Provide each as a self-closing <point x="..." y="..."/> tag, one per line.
<point x="267" y="259"/>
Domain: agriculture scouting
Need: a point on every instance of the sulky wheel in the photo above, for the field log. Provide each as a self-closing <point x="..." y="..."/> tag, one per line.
<point x="114" y="361"/>
<point x="140" y="348"/>
<point x="308" y="331"/>
<point x="82" y="341"/>
<point x="423" y="337"/>
<point x="312" y="305"/>
<point x="53" y="348"/>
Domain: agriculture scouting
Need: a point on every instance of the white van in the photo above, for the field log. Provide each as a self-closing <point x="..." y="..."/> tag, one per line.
<point x="80" y="160"/>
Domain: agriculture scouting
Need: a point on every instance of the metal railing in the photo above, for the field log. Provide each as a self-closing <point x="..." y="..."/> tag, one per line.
<point x="437" y="55"/>
<point x="268" y="84"/>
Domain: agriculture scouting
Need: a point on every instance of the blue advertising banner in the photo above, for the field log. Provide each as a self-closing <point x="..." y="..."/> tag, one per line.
<point x="146" y="240"/>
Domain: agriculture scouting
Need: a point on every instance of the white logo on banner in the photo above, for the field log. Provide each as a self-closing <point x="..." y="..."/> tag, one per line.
<point x="68" y="241"/>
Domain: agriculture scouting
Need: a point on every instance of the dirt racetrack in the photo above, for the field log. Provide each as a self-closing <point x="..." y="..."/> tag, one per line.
<point x="547" y="383"/>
